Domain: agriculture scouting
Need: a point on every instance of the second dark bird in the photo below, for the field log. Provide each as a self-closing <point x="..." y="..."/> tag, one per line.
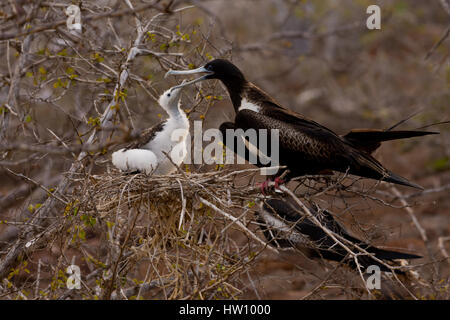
<point x="285" y="226"/>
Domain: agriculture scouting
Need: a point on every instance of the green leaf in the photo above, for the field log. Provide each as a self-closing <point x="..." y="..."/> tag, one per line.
<point x="97" y="57"/>
<point x="82" y="234"/>
<point x="63" y="52"/>
<point x="441" y="164"/>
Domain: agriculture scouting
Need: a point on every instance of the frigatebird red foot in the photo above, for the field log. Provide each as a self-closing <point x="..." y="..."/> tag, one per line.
<point x="265" y="186"/>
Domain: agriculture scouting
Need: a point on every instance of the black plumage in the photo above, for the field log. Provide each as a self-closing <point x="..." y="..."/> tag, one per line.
<point x="285" y="226"/>
<point x="369" y="140"/>
<point x="146" y="136"/>
<point x="305" y="146"/>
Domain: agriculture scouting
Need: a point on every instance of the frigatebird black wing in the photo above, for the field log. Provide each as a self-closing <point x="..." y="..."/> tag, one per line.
<point x="146" y="136"/>
<point x="232" y="141"/>
<point x="307" y="147"/>
<point x="297" y="135"/>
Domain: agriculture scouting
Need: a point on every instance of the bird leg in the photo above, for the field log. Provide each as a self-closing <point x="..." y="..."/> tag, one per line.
<point x="265" y="186"/>
<point x="278" y="181"/>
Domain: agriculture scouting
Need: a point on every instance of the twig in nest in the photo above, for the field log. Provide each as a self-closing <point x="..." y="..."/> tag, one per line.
<point x="238" y="223"/>
<point x="183" y="203"/>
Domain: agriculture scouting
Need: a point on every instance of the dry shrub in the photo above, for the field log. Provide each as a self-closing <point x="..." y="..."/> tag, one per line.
<point x="195" y="236"/>
<point x="198" y="257"/>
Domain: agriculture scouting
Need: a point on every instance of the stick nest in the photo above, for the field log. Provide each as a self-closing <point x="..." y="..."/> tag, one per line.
<point x="169" y="237"/>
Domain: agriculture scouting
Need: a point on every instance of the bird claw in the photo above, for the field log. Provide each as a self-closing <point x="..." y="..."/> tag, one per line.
<point x="265" y="186"/>
<point x="278" y="181"/>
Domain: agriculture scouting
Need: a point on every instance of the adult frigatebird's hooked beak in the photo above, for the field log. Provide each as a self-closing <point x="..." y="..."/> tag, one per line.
<point x="193" y="71"/>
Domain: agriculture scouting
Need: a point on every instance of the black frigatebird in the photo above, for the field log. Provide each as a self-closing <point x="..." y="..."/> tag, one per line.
<point x="284" y="226"/>
<point x="305" y="146"/>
